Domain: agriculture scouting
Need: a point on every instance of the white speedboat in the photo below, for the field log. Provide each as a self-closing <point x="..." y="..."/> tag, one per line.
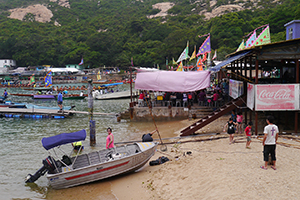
<point x="88" y="167"/>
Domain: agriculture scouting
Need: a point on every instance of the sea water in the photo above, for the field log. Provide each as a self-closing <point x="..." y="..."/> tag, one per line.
<point x="21" y="149"/>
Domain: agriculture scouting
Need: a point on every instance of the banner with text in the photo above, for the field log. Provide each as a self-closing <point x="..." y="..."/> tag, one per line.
<point x="235" y="88"/>
<point x="277" y="97"/>
<point x="250" y="95"/>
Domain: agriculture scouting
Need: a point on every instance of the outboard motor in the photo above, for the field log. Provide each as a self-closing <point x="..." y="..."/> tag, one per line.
<point x="48" y="166"/>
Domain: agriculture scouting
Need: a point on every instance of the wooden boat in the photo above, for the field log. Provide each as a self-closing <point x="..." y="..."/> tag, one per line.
<point x="9" y="104"/>
<point x="116" y="95"/>
<point x="88" y="167"/>
<point x="72" y="97"/>
<point x="21" y="95"/>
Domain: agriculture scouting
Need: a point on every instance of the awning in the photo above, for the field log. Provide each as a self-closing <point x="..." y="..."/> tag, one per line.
<point x="173" y="81"/>
<point x="228" y="61"/>
<point x="64" y="138"/>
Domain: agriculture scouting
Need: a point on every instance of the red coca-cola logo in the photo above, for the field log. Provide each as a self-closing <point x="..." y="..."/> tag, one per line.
<point x="281" y="94"/>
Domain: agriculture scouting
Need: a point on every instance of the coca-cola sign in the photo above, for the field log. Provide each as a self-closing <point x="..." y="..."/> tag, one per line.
<point x="277" y="97"/>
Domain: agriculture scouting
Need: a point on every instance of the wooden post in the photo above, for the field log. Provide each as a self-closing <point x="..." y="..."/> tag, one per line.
<point x="250" y="69"/>
<point x="256" y="120"/>
<point x="256" y="71"/>
<point x="297" y="81"/>
<point x="90" y="110"/>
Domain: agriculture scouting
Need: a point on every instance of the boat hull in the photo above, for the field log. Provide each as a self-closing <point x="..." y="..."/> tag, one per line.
<point x="43" y="96"/>
<point x="115" y="95"/>
<point x="102" y="170"/>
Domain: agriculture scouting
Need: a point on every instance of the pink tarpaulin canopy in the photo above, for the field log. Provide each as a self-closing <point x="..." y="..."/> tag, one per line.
<point x="173" y="81"/>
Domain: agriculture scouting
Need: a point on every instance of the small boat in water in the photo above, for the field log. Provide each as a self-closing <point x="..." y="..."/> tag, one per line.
<point x="116" y="95"/>
<point x="43" y="96"/>
<point x="84" y="168"/>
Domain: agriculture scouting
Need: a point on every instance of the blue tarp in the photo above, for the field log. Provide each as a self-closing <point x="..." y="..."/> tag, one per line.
<point x="64" y="138"/>
<point x="227" y="61"/>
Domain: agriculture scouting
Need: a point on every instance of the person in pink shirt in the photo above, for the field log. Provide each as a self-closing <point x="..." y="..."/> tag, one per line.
<point x="248" y="135"/>
<point x="239" y="120"/>
<point x="109" y="139"/>
<point x="216" y="96"/>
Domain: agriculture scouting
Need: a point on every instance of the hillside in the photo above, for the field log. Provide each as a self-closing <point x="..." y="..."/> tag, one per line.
<point x="110" y="32"/>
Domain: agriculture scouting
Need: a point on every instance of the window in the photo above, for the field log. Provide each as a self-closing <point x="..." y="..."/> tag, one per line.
<point x="290" y="33"/>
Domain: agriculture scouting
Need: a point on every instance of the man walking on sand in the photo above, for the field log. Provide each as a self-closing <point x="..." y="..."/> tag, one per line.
<point x="269" y="142"/>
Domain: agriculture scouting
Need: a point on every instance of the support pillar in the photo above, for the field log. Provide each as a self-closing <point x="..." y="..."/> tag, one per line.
<point x="256" y="120"/>
<point x="90" y="110"/>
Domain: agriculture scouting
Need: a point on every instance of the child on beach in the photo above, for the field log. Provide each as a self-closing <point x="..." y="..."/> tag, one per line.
<point x="248" y="135"/>
<point x="239" y="119"/>
<point x="230" y="125"/>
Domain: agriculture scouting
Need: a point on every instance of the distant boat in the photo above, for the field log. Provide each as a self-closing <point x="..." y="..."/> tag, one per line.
<point x="116" y="95"/>
<point x="64" y="171"/>
<point x="43" y="96"/>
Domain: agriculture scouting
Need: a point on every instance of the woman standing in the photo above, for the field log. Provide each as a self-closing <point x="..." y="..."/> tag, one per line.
<point x="109" y="139"/>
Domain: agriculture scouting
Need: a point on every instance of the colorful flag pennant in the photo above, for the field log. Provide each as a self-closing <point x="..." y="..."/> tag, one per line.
<point x="184" y="55"/>
<point x="173" y="62"/>
<point x="194" y="54"/>
<point x="251" y="39"/>
<point x="199" y="64"/>
<point x="81" y="62"/>
<point x="32" y="79"/>
<point x="48" y="79"/>
<point x="242" y="46"/>
<point x="180" y="67"/>
<point x="263" y="38"/>
<point x="98" y="75"/>
<point x="205" y="47"/>
<point x="215" y="55"/>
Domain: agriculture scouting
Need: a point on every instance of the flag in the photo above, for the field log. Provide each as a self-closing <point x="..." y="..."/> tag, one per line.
<point x="132" y="61"/>
<point x="251" y="39"/>
<point x="173" y="62"/>
<point x="98" y="75"/>
<point x="194" y="54"/>
<point x="242" y="46"/>
<point x="180" y="67"/>
<point x="205" y="47"/>
<point x="215" y="55"/>
<point x="199" y="64"/>
<point x="184" y="55"/>
<point x="263" y="38"/>
<point x="204" y="57"/>
<point x="157" y="66"/>
<point x="81" y="62"/>
<point x="48" y="79"/>
<point x="32" y="79"/>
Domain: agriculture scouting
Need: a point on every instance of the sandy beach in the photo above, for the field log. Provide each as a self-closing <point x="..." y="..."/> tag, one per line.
<point x="216" y="170"/>
<point x="213" y="170"/>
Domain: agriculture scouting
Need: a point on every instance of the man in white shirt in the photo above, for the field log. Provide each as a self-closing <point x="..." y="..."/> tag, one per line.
<point x="269" y="142"/>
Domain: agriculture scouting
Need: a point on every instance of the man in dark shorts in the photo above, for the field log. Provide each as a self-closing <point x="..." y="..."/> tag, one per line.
<point x="269" y="142"/>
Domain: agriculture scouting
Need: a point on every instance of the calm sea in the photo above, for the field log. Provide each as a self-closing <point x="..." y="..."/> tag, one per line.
<point x="22" y="152"/>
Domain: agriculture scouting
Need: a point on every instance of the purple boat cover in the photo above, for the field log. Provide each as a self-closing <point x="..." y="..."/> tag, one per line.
<point x="173" y="81"/>
<point x="63" y="138"/>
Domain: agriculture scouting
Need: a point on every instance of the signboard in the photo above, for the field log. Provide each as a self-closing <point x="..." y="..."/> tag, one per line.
<point x="250" y="95"/>
<point x="235" y="88"/>
<point x="277" y="97"/>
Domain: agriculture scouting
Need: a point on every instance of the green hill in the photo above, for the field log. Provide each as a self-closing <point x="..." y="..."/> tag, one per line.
<point x="110" y="32"/>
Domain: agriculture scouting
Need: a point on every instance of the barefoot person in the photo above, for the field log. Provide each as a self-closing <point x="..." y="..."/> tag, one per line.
<point x="109" y="139"/>
<point x="230" y="125"/>
<point x="248" y="135"/>
<point x="269" y="142"/>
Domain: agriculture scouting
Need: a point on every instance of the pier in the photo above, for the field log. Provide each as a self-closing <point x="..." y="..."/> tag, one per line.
<point x="42" y="113"/>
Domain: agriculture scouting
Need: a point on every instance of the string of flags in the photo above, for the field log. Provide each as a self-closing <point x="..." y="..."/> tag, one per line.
<point x="253" y="40"/>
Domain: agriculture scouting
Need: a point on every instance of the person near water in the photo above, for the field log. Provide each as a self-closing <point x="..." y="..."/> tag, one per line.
<point x="269" y="142"/>
<point x="60" y="100"/>
<point x="230" y="125"/>
<point x="148" y="137"/>
<point x="109" y="139"/>
<point x="77" y="146"/>
<point x="5" y="94"/>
